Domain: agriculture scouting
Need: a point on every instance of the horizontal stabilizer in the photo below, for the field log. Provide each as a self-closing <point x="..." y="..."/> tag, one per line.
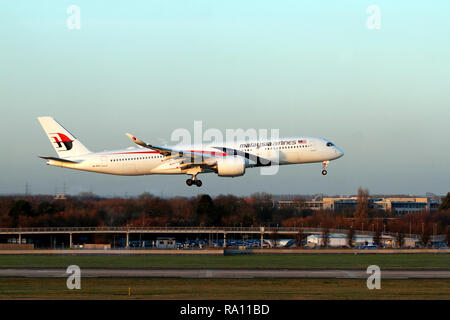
<point x="59" y="159"/>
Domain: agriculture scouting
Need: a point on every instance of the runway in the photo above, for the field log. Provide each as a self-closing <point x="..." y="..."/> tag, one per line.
<point x="223" y="273"/>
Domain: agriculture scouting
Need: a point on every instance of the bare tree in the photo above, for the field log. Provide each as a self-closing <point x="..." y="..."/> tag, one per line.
<point x="448" y="236"/>
<point x="300" y="238"/>
<point x="362" y="207"/>
<point x="425" y="237"/>
<point x="445" y="205"/>
<point x="325" y="237"/>
<point x="350" y="236"/>
<point x="400" y="239"/>
<point x="377" y="238"/>
<point x="275" y="238"/>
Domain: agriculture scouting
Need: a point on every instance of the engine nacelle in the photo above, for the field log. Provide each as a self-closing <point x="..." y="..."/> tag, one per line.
<point x="231" y="166"/>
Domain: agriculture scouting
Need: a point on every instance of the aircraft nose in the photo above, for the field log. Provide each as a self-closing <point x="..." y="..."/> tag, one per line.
<point x="339" y="152"/>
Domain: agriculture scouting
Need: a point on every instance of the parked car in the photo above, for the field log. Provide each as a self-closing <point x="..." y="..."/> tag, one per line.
<point x="366" y="247"/>
<point x="439" y="246"/>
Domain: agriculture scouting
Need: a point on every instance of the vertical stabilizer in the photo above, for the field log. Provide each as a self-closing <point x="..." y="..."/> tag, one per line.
<point x="65" y="144"/>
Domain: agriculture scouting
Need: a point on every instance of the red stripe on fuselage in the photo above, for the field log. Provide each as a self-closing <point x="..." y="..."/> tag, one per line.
<point x="204" y="152"/>
<point x="136" y="152"/>
<point x="213" y="153"/>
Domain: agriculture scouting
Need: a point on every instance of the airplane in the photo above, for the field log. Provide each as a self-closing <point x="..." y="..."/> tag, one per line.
<point x="226" y="160"/>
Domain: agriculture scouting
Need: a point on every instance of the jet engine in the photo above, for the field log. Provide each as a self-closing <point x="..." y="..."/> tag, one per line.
<point x="231" y="166"/>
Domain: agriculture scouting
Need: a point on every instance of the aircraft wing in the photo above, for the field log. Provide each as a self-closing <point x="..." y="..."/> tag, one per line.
<point x="259" y="161"/>
<point x="202" y="157"/>
<point x="194" y="156"/>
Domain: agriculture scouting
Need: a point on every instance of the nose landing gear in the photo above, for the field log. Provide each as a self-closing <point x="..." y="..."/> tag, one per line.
<point x="324" y="167"/>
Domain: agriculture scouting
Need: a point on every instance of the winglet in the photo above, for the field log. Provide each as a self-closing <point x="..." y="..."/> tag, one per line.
<point x="138" y="141"/>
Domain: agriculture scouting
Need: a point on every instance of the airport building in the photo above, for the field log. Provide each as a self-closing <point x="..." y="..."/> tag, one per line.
<point x="299" y="205"/>
<point x="408" y="205"/>
<point x="400" y="205"/>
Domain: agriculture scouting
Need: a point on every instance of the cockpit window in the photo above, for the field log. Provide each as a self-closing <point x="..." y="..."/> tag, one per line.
<point x="330" y="144"/>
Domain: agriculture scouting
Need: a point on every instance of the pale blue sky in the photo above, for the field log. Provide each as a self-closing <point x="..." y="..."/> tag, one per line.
<point x="305" y="67"/>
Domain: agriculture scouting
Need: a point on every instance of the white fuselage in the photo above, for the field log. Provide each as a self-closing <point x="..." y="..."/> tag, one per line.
<point x="142" y="161"/>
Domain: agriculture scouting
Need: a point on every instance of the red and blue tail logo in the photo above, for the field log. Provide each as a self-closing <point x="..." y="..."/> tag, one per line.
<point x="61" y="140"/>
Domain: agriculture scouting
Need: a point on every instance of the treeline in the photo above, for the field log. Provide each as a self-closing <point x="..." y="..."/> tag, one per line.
<point x="145" y="210"/>
<point x="88" y="210"/>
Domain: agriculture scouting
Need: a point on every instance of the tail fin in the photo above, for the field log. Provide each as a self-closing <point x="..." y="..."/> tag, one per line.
<point x="65" y="144"/>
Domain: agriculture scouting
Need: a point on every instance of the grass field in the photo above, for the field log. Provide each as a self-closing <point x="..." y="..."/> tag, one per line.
<point x="204" y="289"/>
<point x="228" y="289"/>
<point x="331" y="261"/>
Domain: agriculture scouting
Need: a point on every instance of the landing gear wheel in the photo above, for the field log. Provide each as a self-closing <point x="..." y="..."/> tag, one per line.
<point x="189" y="182"/>
<point x="198" y="183"/>
<point x="324" y="166"/>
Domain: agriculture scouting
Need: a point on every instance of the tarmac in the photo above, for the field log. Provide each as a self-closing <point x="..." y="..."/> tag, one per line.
<point x="223" y="273"/>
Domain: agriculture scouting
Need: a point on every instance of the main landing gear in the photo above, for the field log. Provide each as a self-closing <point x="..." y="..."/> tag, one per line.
<point x="324" y="167"/>
<point x="190" y="182"/>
